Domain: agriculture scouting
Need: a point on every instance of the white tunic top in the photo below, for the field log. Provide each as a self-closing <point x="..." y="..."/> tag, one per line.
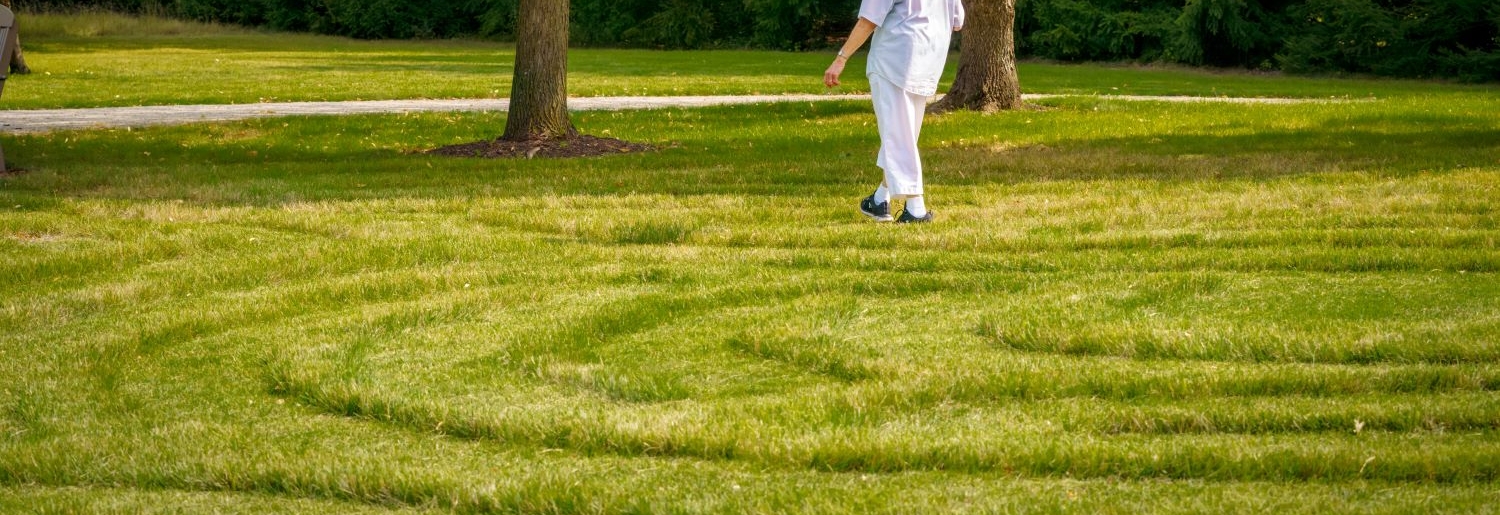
<point x="910" y="46"/>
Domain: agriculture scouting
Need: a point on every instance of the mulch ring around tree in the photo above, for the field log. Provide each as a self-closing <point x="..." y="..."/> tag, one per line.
<point x="574" y="146"/>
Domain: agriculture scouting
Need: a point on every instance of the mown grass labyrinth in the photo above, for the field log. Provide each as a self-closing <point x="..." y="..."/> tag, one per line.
<point x="279" y="307"/>
<point x="1124" y="307"/>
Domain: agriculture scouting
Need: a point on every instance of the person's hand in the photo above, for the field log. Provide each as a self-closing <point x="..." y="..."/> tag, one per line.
<point x="831" y="77"/>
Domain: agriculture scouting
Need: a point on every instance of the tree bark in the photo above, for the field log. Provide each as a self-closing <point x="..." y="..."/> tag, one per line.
<point x="539" y="89"/>
<point x="17" y="60"/>
<point x="986" y="80"/>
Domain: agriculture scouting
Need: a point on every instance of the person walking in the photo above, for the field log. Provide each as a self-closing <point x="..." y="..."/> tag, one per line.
<point x="907" y="56"/>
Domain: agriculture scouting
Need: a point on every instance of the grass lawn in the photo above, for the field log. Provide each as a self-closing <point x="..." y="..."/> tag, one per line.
<point x="108" y="60"/>
<point x="1124" y="306"/>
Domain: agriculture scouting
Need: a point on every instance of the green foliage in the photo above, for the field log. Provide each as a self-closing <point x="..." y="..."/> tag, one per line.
<point x="500" y="18"/>
<point x="389" y="18"/>
<point x="127" y="6"/>
<point x="231" y="11"/>
<point x="679" y="24"/>
<point x="600" y="22"/>
<point x="1403" y="38"/>
<point x="1340" y="34"/>
<point x="800" y="24"/>
<point x="291" y="15"/>
<point x="1422" y="38"/>
<point x="1074" y="30"/>
<point x="1228" y="32"/>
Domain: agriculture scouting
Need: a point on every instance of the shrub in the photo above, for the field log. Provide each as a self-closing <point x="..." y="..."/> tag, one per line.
<point x="800" y="24"/>
<point x="1338" y="35"/>
<point x="1075" y="30"/>
<point x="371" y="19"/>
<point x="1229" y="32"/>
<point x="604" y="22"/>
<point x="229" y="11"/>
<point x="1421" y="38"/>
<point x="679" y="24"/>
<point x="1404" y="38"/>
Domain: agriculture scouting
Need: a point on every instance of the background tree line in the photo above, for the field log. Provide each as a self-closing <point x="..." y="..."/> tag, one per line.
<point x="1402" y="38"/>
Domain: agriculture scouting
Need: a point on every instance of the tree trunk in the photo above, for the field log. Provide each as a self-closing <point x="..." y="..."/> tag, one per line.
<point x="17" y="61"/>
<point x="986" y="80"/>
<point x="539" y="90"/>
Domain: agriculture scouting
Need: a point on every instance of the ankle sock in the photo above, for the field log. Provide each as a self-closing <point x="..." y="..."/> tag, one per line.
<point x="916" y="207"/>
<point x="882" y="194"/>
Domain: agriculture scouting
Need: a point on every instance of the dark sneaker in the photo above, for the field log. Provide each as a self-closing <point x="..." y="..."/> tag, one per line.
<point x="880" y="212"/>
<point x="906" y="218"/>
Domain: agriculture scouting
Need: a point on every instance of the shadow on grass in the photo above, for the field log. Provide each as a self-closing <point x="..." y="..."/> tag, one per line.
<point x="1376" y="145"/>
<point x="783" y="149"/>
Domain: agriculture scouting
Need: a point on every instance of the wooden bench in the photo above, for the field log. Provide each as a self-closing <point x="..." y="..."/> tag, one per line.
<point x="8" y="48"/>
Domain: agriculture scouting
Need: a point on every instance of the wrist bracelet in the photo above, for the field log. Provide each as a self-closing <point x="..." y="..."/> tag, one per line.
<point x="841" y="54"/>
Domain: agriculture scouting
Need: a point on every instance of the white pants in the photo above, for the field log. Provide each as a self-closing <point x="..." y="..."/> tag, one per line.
<point x="898" y="113"/>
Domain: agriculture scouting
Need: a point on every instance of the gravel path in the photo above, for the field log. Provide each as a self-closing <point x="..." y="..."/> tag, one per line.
<point x="44" y="120"/>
